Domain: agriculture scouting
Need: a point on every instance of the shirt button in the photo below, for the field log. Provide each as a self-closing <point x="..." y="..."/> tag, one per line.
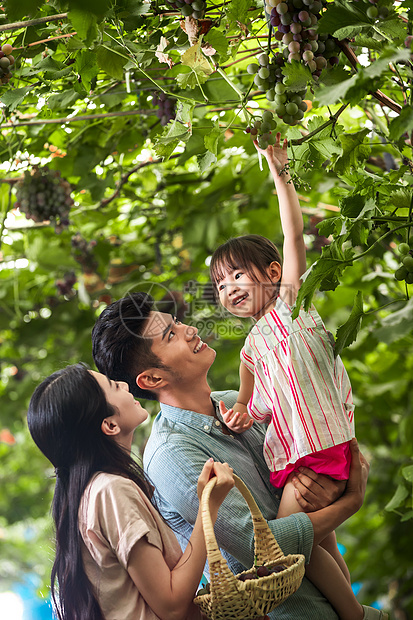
<point x="206" y="427"/>
<point x="217" y="423"/>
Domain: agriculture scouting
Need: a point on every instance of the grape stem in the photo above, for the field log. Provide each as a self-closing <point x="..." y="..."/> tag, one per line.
<point x="331" y="121"/>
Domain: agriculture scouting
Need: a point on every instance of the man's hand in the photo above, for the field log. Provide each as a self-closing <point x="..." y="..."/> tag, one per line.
<point x="316" y="491"/>
<point x="237" y="421"/>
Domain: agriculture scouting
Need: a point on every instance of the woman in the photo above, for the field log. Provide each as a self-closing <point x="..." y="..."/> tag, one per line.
<point x="115" y="556"/>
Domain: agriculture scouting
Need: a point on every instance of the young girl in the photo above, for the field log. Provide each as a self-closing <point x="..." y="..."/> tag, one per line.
<point x="289" y="377"/>
<point x="115" y="556"/>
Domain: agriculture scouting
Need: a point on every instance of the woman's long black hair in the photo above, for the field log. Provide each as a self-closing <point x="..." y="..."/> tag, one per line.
<point x="65" y="416"/>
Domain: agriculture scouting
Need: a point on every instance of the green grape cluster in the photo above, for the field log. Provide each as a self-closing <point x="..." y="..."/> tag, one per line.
<point x="405" y="271"/>
<point x="6" y="62"/>
<point x="189" y="8"/>
<point x="261" y="129"/>
<point x="268" y="76"/>
<point x="44" y="196"/>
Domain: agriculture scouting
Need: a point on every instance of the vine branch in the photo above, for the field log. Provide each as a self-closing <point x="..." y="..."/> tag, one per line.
<point x="33" y="22"/>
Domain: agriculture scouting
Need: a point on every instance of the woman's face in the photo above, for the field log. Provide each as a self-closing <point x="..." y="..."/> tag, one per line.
<point x="130" y="413"/>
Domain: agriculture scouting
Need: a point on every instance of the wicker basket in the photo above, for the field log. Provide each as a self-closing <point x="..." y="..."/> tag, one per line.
<point x="232" y="599"/>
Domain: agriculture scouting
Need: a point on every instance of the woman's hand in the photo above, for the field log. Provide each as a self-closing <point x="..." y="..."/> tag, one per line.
<point x="225" y="482"/>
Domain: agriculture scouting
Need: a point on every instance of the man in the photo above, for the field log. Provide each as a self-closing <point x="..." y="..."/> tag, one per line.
<point x="162" y="359"/>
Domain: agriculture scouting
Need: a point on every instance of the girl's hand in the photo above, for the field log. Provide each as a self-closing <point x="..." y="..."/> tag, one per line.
<point x="225" y="482"/>
<point x="276" y="155"/>
<point x="237" y="418"/>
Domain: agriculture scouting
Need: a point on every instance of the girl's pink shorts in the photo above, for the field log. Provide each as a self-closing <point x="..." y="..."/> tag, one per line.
<point x="334" y="462"/>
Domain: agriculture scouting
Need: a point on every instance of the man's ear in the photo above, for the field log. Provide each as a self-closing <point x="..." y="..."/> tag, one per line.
<point x="274" y="271"/>
<point x="110" y="426"/>
<point x="152" y="379"/>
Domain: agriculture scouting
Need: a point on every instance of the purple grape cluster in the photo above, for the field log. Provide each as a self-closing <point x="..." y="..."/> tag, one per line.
<point x="6" y="62"/>
<point x="294" y="23"/>
<point x="65" y="285"/>
<point x="44" y="196"/>
<point x="268" y="77"/>
<point x="83" y="253"/>
<point x="189" y="8"/>
<point x="166" y="107"/>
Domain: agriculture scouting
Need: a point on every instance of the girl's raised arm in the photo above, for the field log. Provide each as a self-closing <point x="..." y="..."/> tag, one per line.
<point x="294" y="262"/>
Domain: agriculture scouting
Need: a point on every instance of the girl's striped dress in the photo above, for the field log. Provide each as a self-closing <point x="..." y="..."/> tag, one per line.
<point x="301" y="390"/>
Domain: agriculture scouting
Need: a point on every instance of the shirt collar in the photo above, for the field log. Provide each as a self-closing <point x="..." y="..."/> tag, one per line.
<point x="192" y="418"/>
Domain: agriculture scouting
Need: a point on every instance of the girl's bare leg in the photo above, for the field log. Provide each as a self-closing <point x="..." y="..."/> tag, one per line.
<point x="325" y="569"/>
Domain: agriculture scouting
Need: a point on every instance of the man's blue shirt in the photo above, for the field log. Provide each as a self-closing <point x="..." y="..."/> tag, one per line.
<point x="180" y="443"/>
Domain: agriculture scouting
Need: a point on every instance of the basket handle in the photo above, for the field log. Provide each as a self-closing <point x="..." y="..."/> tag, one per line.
<point x="265" y="546"/>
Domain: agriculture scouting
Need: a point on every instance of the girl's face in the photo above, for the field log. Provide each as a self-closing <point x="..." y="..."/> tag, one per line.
<point x="243" y="296"/>
<point x="130" y="413"/>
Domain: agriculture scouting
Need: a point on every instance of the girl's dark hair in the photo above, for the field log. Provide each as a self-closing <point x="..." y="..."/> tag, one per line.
<point x="244" y="253"/>
<point x="64" y="419"/>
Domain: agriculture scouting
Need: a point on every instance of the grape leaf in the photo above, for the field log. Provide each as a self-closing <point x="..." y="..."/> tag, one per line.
<point x="86" y="67"/>
<point x="355" y="151"/>
<point x="407" y="473"/>
<point x="111" y="62"/>
<point x="402" y="123"/>
<point x="347" y="333"/>
<point x="297" y="76"/>
<point x="218" y="41"/>
<point x="12" y="98"/>
<point x="84" y="23"/>
<point x="238" y="9"/>
<point x="398" y="498"/>
<point x="329" y="226"/>
<point x="211" y="140"/>
<point x="63" y="99"/>
<point x="341" y="14"/>
<point x="205" y="161"/>
<point x="327" y="95"/>
<point x="396" y="325"/>
<point x="17" y="9"/>
<point x="199" y="65"/>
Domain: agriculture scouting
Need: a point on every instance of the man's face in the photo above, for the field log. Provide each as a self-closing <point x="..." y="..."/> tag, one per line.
<point x="178" y="346"/>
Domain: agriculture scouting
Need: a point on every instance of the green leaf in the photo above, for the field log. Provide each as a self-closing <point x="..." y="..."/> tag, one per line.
<point x="218" y="41"/>
<point x="341" y="14"/>
<point x="402" y="123"/>
<point x="205" y="161"/>
<point x="355" y="151"/>
<point x="211" y="140"/>
<point x="407" y="473"/>
<point x="238" y="9"/>
<point x="63" y="100"/>
<point x="84" y="23"/>
<point x="328" y="95"/>
<point x="86" y="67"/>
<point x="396" y="325"/>
<point x="398" y="498"/>
<point x="347" y="333"/>
<point x="17" y="9"/>
<point x="111" y="62"/>
<point x="330" y="226"/>
<point x="352" y="205"/>
<point x="297" y="76"/>
<point x="12" y="98"/>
